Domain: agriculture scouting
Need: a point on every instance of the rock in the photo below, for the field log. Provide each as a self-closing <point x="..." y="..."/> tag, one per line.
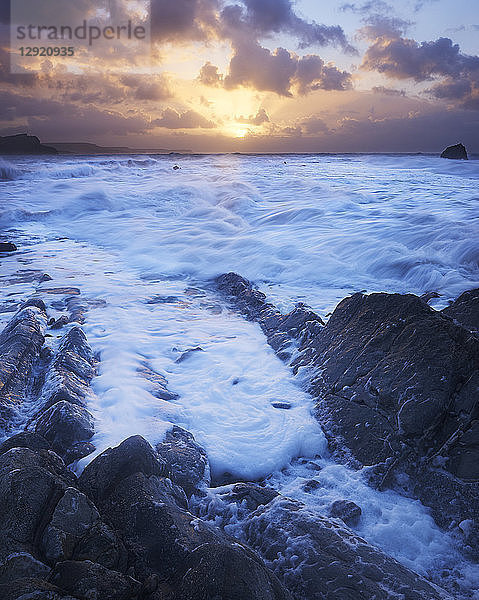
<point x="158" y="383"/>
<point x="186" y="460"/>
<point x="70" y="372"/>
<point x="25" y="439"/>
<point x="30" y="588"/>
<point x="227" y="573"/>
<point x="347" y="511"/>
<point x="250" y="495"/>
<point x="45" y="277"/>
<point x="30" y="485"/>
<point x="20" y="345"/>
<point x="60" y="322"/>
<point x="65" y="424"/>
<point x="458" y="152"/>
<point x="7" y="247"/>
<point x="175" y="167"/>
<point x="188" y="353"/>
<point x="465" y="310"/>
<point x="108" y="469"/>
<point x="22" y="564"/>
<point x="74" y="514"/>
<point x="282" y="405"/>
<point x="102" y="545"/>
<point x="317" y="558"/>
<point x="22" y="143"/>
<point x="89" y="580"/>
<point x="77" y="451"/>
<point x="79" y="306"/>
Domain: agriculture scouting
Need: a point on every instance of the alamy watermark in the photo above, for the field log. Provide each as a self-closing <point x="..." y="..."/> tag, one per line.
<point x="80" y="36"/>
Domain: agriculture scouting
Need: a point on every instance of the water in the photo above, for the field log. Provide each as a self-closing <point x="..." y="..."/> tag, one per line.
<point x="147" y="240"/>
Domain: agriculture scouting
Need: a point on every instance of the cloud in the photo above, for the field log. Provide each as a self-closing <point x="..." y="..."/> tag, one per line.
<point x="314" y="125"/>
<point x="189" y="119"/>
<point x="148" y="89"/>
<point x="183" y="20"/>
<point x="209" y="75"/>
<point x="281" y="71"/>
<point x="258" y="119"/>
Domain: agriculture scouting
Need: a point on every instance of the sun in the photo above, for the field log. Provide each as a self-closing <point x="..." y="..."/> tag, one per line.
<point x="240" y="132"/>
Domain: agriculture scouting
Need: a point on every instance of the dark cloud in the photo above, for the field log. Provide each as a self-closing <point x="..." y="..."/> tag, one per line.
<point x="258" y="119"/>
<point x="171" y="119"/>
<point x="314" y="125"/>
<point x="209" y="75"/>
<point x="156" y="88"/>
<point x="183" y="20"/>
<point x="402" y="58"/>
<point x="281" y="71"/>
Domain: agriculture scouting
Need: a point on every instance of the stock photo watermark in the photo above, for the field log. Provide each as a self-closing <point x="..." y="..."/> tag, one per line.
<point x="81" y="36"/>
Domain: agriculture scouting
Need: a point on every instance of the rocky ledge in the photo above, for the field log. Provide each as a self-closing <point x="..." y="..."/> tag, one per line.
<point x="395" y="383"/>
<point x="396" y="388"/>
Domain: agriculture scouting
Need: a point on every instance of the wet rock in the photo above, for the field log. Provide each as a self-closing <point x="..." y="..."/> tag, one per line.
<point x="311" y="485"/>
<point x="78" y="451"/>
<point x="7" y="247"/>
<point x="158" y="383"/>
<point x="22" y="564"/>
<point x="78" y="307"/>
<point x="25" y="439"/>
<point x="108" y="469"/>
<point x="187" y="354"/>
<point x="185" y="459"/>
<point x="458" y="152"/>
<point x="70" y="372"/>
<point x="45" y="277"/>
<point x="65" y="424"/>
<point x="283" y="405"/>
<point x="30" y="588"/>
<point x="226" y="573"/>
<point x="251" y="495"/>
<point x="465" y="310"/>
<point x="73" y="516"/>
<point x="347" y="511"/>
<point x="102" y="545"/>
<point x="60" y="322"/>
<point x="317" y="558"/>
<point x="20" y="345"/>
<point x="22" y="143"/>
<point x="87" y="579"/>
<point x="30" y="485"/>
<point x="71" y="291"/>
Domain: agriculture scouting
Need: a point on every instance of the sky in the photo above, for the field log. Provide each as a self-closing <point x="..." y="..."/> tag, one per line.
<point x="255" y="76"/>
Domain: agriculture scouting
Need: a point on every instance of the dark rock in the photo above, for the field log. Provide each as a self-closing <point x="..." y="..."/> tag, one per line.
<point x="7" y="247"/>
<point x="30" y="588"/>
<point x="20" y="345"/>
<point x="60" y="322"/>
<point x="186" y="460"/>
<point x="102" y="545"/>
<point x="78" y="307"/>
<point x="87" y="579"/>
<point x="22" y="564"/>
<point x="227" y="573"/>
<point x="45" y="277"/>
<point x="25" y="439"/>
<point x="78" y="451"/>
<point x="465" y="310"/>
<point x="251" y="495"/>
<point x="31" y="484"/>
<point x="317" y="558"/>
<point x="22" y="143"/>
<point x="175" y="167"/>
<point x="347" y="511"/>
<point x="71" y="291"/>
<point x="458" y="152"/>
<point x="65" y="424"/>
<point x="107" y="470"/>
<point x="283" y="405"/>
<point x="311" y="485"/>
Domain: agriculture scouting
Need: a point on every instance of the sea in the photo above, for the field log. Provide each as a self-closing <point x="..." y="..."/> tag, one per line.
<point x="142" y="241"/>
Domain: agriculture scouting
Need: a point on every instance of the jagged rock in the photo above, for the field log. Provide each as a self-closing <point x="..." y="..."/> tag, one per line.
<point x="227" y="573"/>
<point x="458" y="152"/>
<point x="70" y="372"/>
<point x="185" y="459"/>
<point x="317" y="558"/>
<point x="251" y="495"/>
<point x="20" y="345"/>
<point x="60" y="322"/>
<point x="465" y="310"/>
<point x="79" y="306"/>
<point x="77" y="451"/>
<point x="108" y="469"/>
<point x="25" y="439"/>
<point x="73" y="516"/>
<point x="102" y="545"/>
<point x="30" y="485"/>
<point x="65" y="424"/>
<point x="22" y="564"/>
<point x="347" y="511"/>
<point x="87" y="579"/>
<point x="7" y="247"/>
